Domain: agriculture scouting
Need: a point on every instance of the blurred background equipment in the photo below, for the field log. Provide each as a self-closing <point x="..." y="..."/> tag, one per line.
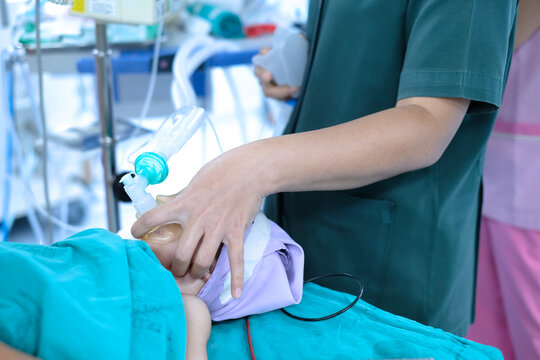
<point x="63" y="143"/>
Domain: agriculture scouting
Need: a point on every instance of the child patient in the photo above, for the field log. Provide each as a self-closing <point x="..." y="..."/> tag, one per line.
<point x="273" y="278"/>
<point x="98" y="296"/>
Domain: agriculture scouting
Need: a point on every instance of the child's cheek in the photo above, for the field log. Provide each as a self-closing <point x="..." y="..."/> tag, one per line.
<point x="163" y="241"/>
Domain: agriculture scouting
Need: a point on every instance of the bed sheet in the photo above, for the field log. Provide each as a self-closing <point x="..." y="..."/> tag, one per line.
<point x="363" y="332"/>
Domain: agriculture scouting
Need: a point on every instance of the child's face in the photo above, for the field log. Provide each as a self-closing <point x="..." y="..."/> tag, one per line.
<point x="190" y="286"/>
<point x="163" y="242"/>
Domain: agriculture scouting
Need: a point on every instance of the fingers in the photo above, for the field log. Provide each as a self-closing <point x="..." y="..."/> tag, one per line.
<point x="270" y="88"/>
<point x="264" y="76"/>
<point x="191" y="286"/>
<point x="205" y="258"/>
<point x="206" y="277"/>
<point x="205" y="255"/>
<point x="185" y="249"/>
<point x="153" y="218"/>
<point x="235" y="249"/>
<point x="264" y="50"/>
<point x="284" y="92"/>
<point x="162" y="199"/>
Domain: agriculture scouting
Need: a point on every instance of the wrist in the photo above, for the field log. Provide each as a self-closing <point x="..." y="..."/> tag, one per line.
<point x="260" y="168"/>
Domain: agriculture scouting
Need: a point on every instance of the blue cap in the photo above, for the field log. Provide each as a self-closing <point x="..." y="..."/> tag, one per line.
<point x="152" y="166"/>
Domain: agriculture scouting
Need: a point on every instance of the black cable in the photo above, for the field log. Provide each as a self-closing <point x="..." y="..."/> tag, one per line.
<point x="360" y="292"/>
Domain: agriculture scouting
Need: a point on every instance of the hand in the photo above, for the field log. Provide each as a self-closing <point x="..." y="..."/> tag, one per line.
<point x="163" y="242"/>
<point x="217" y="207"/>
<point x="269" y="86"/>
<point x="188" y="285"/>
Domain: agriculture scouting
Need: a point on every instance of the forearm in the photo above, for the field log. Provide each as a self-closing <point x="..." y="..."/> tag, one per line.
<point x="223" y="198"/>
<point x="358" y="152"/>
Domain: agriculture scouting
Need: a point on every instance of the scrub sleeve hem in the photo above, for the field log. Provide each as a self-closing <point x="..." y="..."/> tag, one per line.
<point x="485" y="91"/>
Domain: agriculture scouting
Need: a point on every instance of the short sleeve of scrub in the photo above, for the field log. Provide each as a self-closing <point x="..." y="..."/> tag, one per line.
<point x="454" y="49"/>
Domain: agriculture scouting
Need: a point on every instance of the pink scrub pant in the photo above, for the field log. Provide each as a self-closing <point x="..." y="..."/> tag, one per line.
<point x="508" y="291"/>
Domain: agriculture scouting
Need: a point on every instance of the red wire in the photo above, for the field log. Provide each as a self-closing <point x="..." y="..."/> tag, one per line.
<point x="249" y="339"/>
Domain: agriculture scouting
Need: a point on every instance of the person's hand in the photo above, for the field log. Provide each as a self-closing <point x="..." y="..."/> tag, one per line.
<point x="163" y="242"/>
<point x="269" y="86"/>
<point x="217" y="207"/>
<point x="188" y="285"/>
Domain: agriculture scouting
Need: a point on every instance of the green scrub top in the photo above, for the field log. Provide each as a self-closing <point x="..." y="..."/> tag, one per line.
<point x="412" y="238"/>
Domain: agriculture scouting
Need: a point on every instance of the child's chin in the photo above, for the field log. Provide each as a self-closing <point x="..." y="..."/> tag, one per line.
<point x="189" y="286"/>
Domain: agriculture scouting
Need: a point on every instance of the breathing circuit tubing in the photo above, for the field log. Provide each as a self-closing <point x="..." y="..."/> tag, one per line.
<point x="188" y="58"/>
<point x="25" y="171"/>
<point x="10" y="58"/>
<point x="153" y="73"/>
<point x="5" y="88"/>
<point x="45" y="137"/>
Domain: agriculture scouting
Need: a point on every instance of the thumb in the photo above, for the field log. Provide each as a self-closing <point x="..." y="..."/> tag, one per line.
<point x="162" y="199"/>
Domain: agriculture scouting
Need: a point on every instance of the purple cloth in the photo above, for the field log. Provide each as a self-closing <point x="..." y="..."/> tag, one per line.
<point x="273" y="276"/>
<point x="512" y="167"/>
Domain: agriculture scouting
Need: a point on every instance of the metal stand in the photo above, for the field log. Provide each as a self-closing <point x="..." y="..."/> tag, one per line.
<point x="102" y="54"/>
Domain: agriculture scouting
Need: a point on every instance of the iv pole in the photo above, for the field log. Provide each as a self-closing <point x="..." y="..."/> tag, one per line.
<point x="102" y="55"/>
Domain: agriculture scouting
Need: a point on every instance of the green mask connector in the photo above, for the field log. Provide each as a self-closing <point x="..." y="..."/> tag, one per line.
<point x="152" y="166"/>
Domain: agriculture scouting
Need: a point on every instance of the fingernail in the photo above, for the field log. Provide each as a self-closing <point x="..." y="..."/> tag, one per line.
<point x="237" y="293"/>
<point x="161" y="198"/>
<point x="267" y="77"/>
<point x="293" y="90"/>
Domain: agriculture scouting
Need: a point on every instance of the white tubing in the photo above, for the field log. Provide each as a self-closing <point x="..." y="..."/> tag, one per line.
<point x="188" y="58"/>
<point x="26" y="175"/>
<point x="215" y="132"/>
<point x="25" y="71"/>
<point x="32" y="218"/>
<point x="242" y="121"/>
<point x="202" y="55"/>
<point x="180" y="77"/>
<point x="177" y="86"/>
<point x="17" y="151"/>
<point x="137" y="128"/>
<point x="153" y="73"/>
<point x="4" y="153"/>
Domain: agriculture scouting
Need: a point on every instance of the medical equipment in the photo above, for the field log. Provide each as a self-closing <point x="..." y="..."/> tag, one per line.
<point x="21" y="173"/>
<point x="326" y="317"/>
<point x="287" y="59"/>
<point x="223" y="22"/>
<point x="150" y="161"/>
<point x="124" y="11"/>
<point x="5" y="153"/>
<point x="116" y="11"/>
<point x="312" y="319"/>
<point x="188" y="58"/>
<point x="8" y="59"/>
<point x="45" y="137"/>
